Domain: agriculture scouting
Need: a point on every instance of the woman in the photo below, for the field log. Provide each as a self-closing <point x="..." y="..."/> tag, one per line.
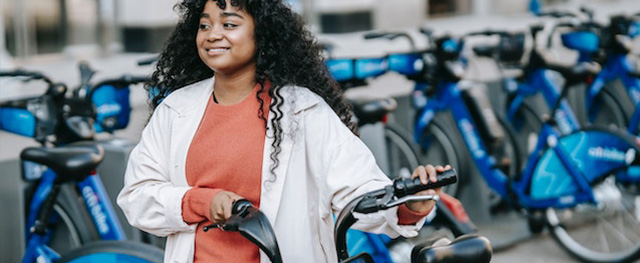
<point x="247" y="109"/>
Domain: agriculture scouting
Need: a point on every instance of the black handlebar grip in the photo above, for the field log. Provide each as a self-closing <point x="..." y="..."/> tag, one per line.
<point x="240" y="205"/>
<point x="374" y="35"/>
<point x="408" y="186"/>
<point x="148" y="61"/>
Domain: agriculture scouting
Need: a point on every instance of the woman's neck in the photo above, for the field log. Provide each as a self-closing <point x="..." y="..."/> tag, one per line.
<point x="232" y="89"/>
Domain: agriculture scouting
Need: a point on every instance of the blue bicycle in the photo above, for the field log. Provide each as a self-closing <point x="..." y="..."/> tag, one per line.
<point x="65" y="187"/>
<point x="583" y="183"/>
<point x="610" y="97"/>
<point x="613" y="96"/>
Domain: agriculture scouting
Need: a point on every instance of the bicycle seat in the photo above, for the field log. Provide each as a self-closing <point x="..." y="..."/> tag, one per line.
<point x="467" y="248"/>
<point x="484" y="50"/>
<point x="373" y="111"/>
<point x="576" y="72"/>
<point x="70" y="162"/>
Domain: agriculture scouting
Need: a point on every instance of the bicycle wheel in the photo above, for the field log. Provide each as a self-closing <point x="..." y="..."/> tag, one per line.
<point x="610" y="112"/>
<point x="114" y="251"/>
<point x="509" y="149"/>
<point x="70" y="226"/>
<point x="603" y="232"/>
<point x="401" y="154"/>
<point x="438" y="147"/>
<point x="526" y="126"/>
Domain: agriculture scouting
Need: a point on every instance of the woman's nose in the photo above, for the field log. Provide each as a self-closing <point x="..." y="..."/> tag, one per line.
<point x="214" y="35"/>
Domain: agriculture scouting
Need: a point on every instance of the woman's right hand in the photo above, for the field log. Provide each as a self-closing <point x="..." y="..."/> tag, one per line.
<point x="221" y="205"/>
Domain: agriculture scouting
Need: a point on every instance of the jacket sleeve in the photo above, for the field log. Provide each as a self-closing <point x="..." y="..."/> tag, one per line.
<point x="149" y="200"/>
<point x="351" y="171"/>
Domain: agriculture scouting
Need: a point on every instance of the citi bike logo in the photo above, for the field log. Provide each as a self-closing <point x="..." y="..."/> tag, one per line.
<point x="611" y="154"/>
<point x="562" y="121"/>
<point x="373" y="66"/>
<point x="109" y="108"/>
<point x="471" y="138"/>
<point x="96" y="210"/>
<point x="340" y="66"/>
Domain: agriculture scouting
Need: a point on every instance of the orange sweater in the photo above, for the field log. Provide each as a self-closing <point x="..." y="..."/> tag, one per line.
<point x="225" y="154"/>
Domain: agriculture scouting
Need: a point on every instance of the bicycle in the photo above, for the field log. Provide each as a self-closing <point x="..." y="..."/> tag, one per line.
<point x="611" y="97"/>
<point x="581" y="176"/>
<point x="434" y="135"/>
<point x="55" y="119"/>
<point x="254" y="226"/>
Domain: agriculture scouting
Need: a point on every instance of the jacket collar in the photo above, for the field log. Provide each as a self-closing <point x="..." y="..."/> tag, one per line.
<point x="191" y="96"/>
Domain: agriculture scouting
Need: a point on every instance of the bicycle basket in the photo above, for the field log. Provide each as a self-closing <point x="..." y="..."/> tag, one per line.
<point x="511" y="48"/>
<point x="113" y="108"/>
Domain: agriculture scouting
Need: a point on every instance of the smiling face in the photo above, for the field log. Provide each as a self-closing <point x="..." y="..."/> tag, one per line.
<point x="225" y="39"/>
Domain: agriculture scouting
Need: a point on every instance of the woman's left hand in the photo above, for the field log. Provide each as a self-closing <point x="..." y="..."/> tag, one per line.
<point x="427" y="174"/>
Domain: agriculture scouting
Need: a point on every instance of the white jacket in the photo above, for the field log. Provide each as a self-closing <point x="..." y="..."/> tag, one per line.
<point x="322" y="167"/>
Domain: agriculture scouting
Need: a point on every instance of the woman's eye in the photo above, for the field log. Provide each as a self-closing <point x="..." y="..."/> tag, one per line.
<point x="203" y="26"/>
<point x="229" y="25"/>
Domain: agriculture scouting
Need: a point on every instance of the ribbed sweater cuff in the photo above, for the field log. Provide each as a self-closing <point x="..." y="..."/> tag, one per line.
<point x="196" y="203"/>
<point x="408" y="217"/>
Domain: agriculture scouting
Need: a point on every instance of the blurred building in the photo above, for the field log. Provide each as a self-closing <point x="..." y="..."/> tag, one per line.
<point x="36" y="27"/>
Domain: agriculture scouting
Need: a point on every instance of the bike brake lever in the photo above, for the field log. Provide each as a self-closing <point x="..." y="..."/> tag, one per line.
<point x="408" y="198"/>
<point x="230" y="225"/>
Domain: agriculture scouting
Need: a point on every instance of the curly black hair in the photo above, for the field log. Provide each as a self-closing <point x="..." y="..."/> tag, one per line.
<point x="287" y="54"/>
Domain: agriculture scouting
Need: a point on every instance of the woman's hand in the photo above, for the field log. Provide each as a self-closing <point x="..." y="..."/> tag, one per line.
<point x="427" y="174"/>
<point x="221" y="206"/>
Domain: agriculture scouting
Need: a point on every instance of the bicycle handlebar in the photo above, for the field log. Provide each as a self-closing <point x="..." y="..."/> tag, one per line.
<point x="148" y="61"/>
<point x="254" y="225"/>
<point x="390" y="196"/>
<point x="488" y="32"/>
<point x="556" y="14"/>
<point x="25" y="73"/>
<point x="407" y="186"/>
<point x="391" y="36"/>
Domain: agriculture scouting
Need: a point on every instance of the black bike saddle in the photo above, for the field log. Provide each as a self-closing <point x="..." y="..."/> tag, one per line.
<point x="70" y="162"/>
<point x="467" y="248"/>
<point x="485" y="50"/>
<point x="373" y="111"/>
<point x="576" y="72"/>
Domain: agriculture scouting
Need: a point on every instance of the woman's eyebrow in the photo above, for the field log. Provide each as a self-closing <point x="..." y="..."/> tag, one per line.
<point x="228" y="14"/>
<point x="204" y="15"/>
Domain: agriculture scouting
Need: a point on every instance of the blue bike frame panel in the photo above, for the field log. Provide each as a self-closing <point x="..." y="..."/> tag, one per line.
<point x="449" y="97"/>
<point x="541" y="80"/>
<point x="97" y="202"/>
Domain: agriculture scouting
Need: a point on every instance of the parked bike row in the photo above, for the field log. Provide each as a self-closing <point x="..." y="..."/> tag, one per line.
<point x="569" y="164"/>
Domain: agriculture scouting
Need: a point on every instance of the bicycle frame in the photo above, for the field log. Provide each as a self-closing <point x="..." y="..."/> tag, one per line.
<point x="540" y="80"/>
<point x="97" y="203"/>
